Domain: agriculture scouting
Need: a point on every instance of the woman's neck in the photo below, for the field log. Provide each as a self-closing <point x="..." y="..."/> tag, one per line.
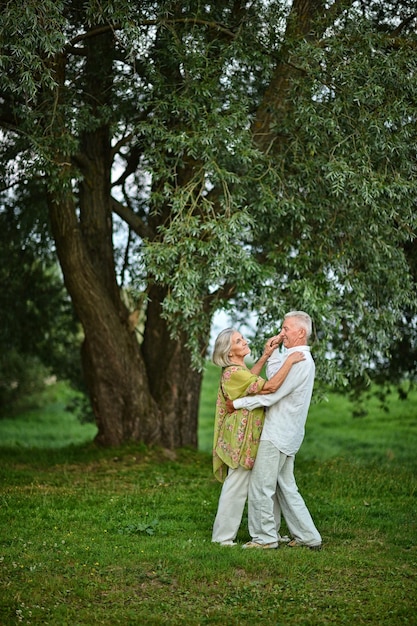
<point x="237" y="362"/>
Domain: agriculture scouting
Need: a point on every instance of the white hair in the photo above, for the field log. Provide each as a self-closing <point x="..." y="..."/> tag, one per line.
<point x="304" y="321"/>
<point x="222" y="347"/>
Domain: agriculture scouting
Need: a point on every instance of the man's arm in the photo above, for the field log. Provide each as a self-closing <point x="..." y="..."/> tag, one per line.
<point x="291" y="383"/>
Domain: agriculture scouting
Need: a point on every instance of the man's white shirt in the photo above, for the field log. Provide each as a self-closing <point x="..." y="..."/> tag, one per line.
<point x="286" y="408"/>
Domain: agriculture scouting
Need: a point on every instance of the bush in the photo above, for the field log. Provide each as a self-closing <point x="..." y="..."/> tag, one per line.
<point x="21" y="378"/>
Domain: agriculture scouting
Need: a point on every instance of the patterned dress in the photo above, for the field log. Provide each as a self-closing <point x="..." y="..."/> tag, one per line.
<point x="237" y="434"/>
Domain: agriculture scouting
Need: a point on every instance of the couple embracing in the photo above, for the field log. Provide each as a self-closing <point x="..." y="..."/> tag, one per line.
<point x="259" y="428"/>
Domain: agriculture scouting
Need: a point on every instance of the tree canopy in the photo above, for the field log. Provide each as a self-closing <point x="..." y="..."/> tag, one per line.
<point x="246" y="156"/>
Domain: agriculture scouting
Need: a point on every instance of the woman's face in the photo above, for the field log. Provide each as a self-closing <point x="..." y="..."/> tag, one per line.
<point x="239" y="348"/>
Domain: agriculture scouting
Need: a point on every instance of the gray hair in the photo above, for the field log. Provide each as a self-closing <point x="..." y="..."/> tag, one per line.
<point x="222" y="347"/>
<point x="304" y="321"/>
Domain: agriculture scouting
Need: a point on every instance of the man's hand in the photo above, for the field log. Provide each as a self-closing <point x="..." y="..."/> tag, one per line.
<point x="229" y="406"/>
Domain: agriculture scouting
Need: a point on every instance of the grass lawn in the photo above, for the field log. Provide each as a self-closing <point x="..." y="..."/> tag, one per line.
<point x="122" y="536"/>
<point x="44" y="422"/>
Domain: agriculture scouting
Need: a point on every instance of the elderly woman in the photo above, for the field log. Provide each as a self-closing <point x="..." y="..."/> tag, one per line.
<point x="237" y="434"/>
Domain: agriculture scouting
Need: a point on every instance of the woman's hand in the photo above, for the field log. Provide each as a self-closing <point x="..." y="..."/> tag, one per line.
<point x="276" y="381"/>
<point x="296" y="357"/>
<point x="272" y="344"/>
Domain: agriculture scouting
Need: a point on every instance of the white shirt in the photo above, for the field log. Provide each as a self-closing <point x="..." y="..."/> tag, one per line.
<point x="287" y="408"/>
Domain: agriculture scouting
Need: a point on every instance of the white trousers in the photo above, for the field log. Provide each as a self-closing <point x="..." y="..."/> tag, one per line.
<point x="231" y="505"/>
<point x="273" y="478"/>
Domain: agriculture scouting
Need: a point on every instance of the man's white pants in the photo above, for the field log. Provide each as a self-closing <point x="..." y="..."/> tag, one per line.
<point x="231" y="505"/>
<point x="273" y="475"/>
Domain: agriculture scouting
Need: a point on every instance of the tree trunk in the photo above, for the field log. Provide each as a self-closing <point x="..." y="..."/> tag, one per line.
<point x="147" y="394"/>
<point x="173" y="382"/>
<point x="275" y="103"/>
<point x="114" y="371"/>
<point x="152" y="398"/>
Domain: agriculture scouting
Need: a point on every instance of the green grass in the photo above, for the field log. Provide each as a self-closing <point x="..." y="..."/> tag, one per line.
<point x="45" y="423"/>
<point x="92" y="536"/>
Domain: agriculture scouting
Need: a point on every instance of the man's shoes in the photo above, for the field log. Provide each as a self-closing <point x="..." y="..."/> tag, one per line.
<point x="283" y="539"/>
<point x="262" y="546"/>
<point x="227" y="543"/>
<point x="297" y="544"/>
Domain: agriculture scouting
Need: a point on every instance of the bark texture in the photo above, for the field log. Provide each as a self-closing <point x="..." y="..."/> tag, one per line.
<point x="145" y="393"/>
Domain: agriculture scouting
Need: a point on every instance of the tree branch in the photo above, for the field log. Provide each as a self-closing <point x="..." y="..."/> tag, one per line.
<point x="305" y="18"/>
<point x="397" y="32"/>
<point x="133" y="220"/>
<point x="71" y="46"/>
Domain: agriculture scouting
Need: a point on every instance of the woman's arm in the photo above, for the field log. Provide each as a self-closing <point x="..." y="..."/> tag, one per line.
<point x="270" y="346"/>
<point x="276" y="381"/>
<point x="237" y="381"/>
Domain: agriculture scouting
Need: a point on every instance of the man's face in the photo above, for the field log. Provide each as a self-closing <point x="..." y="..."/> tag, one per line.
<point x="292" y="333"/>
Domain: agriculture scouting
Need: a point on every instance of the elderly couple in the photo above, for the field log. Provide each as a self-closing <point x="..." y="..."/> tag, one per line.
<point x="241" y="434"/>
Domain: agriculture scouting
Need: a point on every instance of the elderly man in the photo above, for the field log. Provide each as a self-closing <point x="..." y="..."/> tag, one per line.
<point x="273" y="473"/>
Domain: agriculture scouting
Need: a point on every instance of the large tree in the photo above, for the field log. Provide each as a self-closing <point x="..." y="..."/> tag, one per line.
<point x="253" y="156"/>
